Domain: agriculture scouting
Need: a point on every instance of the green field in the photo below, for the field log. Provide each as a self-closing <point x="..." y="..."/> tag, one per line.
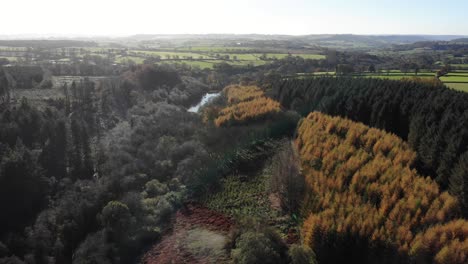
<point x="454" y="78"/>
<point x="242" y="56"/>
<point x="215" y="48"/>
<point x="137" y="60"/>
<point x="305" y="56"/>
<point x="10" y="58"/>
<point x="460" y="73"/>
<point x="207" y="57"/>
<point x="459" y="65"/>
<point x="171" y="54"/>
<point x="208" y="64"/>
<point x="458" y="86"/>
<point x="396" y="75"/>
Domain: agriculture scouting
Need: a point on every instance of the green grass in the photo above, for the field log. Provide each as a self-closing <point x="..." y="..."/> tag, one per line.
<point x="243" y="56"/>
<point x="256" y="56"/>
<point x="164" y="54"/>
<point x="209" y="64"/>
<point x="238" y="198"/>
<point x="458" y="86"/>
<point x="460" y="73"/>
<point x="217" y="48"/>
<point x="10" y="58"/>
<point x="454" y="78"/>
<point x="305" y="56"/>
<point x="396" y="77"/>
<point x="193" y="63"/>
<point x="459" y="65"/>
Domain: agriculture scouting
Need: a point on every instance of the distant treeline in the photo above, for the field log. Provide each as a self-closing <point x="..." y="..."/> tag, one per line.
<point x="40" y="43"/>
<point x="433" y="119"/>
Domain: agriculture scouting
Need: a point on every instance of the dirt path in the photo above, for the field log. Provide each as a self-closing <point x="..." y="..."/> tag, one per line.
<point x="198" y="236"/>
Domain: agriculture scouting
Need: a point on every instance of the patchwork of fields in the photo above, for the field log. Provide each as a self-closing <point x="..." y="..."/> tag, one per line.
<point x="207" y="58"/>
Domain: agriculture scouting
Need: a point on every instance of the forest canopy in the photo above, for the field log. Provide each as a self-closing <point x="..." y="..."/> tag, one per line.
<point x="362" y="194"/>
<point x="433" y="119"/>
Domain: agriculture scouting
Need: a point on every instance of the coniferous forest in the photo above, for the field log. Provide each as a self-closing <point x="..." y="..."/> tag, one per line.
<point x="433" y="120"/>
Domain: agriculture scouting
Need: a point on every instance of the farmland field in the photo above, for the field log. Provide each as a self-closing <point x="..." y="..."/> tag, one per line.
<point x="305" y="56"/>
<point x="217" y="48"/>
<point x="396" y="77"/>
<point x="10" y="58"/>
<point x="458" y="86"/>
<point x="454" y="78"/>
<point x="121" y="59"/>
<point x="171" y="54"/>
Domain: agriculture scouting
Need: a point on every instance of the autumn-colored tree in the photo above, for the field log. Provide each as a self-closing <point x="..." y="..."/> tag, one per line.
<point x="245" y="103"/>
<point x="363" y="188"/>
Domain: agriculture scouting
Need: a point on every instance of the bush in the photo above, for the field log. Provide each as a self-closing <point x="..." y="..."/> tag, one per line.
<point x="257" y="244"/>
<point x="301" y="255"/>
<point x="154" y="188"/>
<point x="253" y="247"/>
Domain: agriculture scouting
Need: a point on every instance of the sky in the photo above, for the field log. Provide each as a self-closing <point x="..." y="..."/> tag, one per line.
<point x="291" y="17"/>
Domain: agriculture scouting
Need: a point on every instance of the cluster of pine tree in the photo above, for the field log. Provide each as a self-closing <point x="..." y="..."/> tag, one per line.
<point x="432" y="118"/>
<point x="245" y="103"/>
<point x="364" y="202"/>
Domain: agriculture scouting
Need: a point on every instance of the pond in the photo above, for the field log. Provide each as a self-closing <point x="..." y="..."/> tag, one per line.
<point x="205" y="99"/>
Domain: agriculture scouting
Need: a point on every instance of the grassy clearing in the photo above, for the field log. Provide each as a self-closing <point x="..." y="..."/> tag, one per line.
<point x="204" y="243"/>
<point x="243" y="196"/>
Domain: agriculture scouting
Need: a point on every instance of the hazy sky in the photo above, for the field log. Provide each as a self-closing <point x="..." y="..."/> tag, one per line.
<point x="295" y="17"/>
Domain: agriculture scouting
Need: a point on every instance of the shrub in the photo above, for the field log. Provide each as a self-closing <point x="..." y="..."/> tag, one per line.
<point x="301" y="255"/>
<point x="154" y="188"/>
<point x="254" y="243"/>
<point x="258" y="247"/>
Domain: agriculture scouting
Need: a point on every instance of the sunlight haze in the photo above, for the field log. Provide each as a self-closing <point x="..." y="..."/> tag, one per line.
<point x="294" y="17"/>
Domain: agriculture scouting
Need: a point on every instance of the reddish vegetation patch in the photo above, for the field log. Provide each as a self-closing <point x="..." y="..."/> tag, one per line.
<point x="171" y="248"/>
